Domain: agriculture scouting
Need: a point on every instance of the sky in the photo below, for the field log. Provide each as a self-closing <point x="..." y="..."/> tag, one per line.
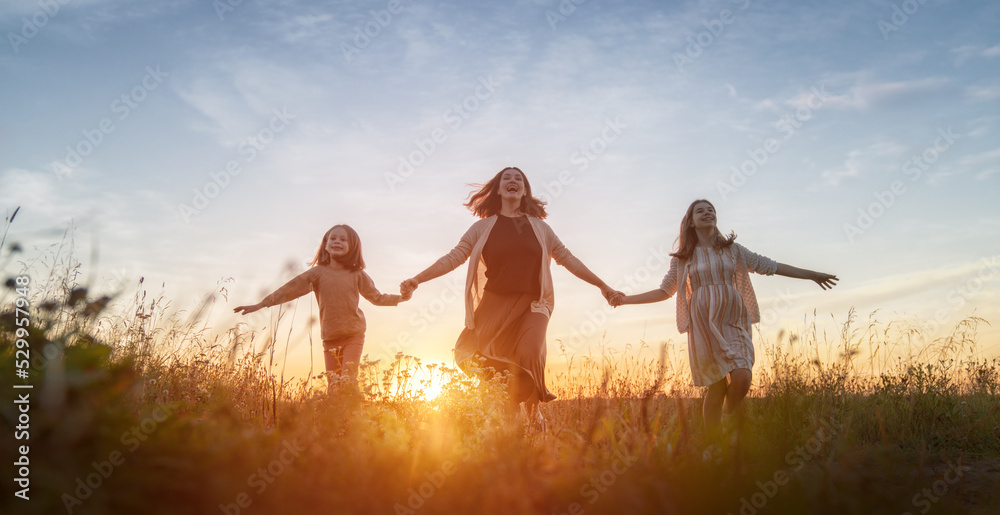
<point x="209" y="144"/>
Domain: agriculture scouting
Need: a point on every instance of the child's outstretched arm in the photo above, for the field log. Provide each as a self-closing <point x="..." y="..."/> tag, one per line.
<point x="367" y="289"/>
<point x="297" y="287"/>
<point x="649" y="297"/>
<point x="246" y="310"/>
<point x="825" y="281"/>
<point x="666" y="290"/>
<point x="759" y="264"/>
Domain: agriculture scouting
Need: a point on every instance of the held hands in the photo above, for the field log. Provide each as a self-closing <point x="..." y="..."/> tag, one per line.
<point x="407" y="287"/>
<point x="614" y="297"/>
<point x="825" y="281"/>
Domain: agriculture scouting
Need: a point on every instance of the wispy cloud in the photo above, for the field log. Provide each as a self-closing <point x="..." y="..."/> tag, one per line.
<point x="49" y="206"/>
<point x="982" y="158"/>
<point x="984" y="164"/>
<point x="985" y="91"/>
<point x="238" y="99"/>
<point x="224" y="111"/>
<point x="13" y="9"/>
<point x="893" y="288"/>
<point x="874" y="158"/>
<point x="965" y="53"/>
<point x="878" y="94"/>
<point x="35" y="189"/>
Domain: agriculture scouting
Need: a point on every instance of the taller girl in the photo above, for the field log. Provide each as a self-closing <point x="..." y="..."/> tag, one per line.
<point x="716" y="305"/>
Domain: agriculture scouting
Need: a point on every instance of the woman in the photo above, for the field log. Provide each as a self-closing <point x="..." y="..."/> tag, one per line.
<point x="716" y="306"/>
<point x="508" y="290"/>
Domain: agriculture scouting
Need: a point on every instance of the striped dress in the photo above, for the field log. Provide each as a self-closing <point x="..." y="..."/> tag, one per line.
<point x="719" y="318"/>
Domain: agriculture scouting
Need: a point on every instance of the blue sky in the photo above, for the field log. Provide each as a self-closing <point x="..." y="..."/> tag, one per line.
<point x="221" y="141"/>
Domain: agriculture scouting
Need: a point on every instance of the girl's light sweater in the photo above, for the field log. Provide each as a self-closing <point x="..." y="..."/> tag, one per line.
<point x="338" y="292"/>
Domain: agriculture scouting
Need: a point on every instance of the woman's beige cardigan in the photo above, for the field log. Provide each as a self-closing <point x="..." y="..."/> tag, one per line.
<point x="471" y="246"/>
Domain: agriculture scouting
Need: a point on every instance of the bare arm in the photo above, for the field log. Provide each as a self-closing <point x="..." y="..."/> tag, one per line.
<point x="824" y="280"/>
<point x="649" y="297"/>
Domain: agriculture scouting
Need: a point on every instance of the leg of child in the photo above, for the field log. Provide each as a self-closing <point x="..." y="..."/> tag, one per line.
<point x="351" y="349"/>
<point x="712" y="409"/>
<point x="739" y="386"/>
<point x="333" y="356"/>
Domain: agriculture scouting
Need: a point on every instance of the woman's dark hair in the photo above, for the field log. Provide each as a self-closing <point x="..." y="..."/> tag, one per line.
<point x="688" y="237"/>
<point x="351" y="261"/>
<point x="486" y="200"/>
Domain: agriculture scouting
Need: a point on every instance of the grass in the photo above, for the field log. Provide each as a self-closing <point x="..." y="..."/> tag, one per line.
<point x="139" y="411"/>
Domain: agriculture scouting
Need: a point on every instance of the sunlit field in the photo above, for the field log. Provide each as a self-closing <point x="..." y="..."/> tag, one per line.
<point x="135" y="410"/>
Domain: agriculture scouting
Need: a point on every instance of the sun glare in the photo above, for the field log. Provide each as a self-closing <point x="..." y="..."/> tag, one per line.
<point x="430" y="382"/>
<point x="432" y="391"/>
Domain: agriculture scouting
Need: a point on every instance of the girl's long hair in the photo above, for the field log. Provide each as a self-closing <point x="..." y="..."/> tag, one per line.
<point x="688" y="237"/>
<point x="486" y="200"/>
<point x="351" y="261"/>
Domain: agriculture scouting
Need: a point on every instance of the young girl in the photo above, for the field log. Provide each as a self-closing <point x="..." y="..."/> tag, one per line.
<point x="338" y="278"/>
<point x="716" y="305"/>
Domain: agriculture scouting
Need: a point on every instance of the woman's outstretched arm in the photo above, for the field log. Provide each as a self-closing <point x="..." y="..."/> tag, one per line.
<point x="446" y="263"/>
<point x="564" y="257"/>
<point x="439" y="268"/>
<point x="580" y="270"/>
<point x="825" y="281"/>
